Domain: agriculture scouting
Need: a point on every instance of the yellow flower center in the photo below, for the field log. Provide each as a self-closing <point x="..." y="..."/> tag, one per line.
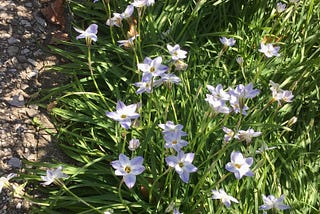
<point x="152" y="69"/>
<point x="238" y="166"/>
<point x="174" y="142"/>
<point x="127" y="169"/>
<point x="123" y="116"/>
<point x="181" y="164"/>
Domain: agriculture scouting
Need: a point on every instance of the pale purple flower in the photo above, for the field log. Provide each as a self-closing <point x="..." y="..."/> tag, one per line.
<point x="218" y="92"/>
<point x="286" y="96"/>
<point x="228" y="134"/>
<point x="173" y="140"/>
<point x="217" y="105"/>
<point x="153" y="66"/>
<point x="128" y="42"/>
<point x="238" y="96"/>
<point x="224" y="197"/>
<point x="244" y="91"/>
<point x="238" y="105"/>
<point x="124" y="114"/>
<point x="127" y="13"/>
<point x="170" y="128"/>
<point x="4" y="181"/>
<point x="247" y="135"/>
<point x="280" y="7"/>
<point x="116" y="20"/>
<point x="129" y="169"/>
<point x="90" y="32"/>
<point x="134" y="144"/>
<point x="176" y="52"/>
<point x="95" y="1"/>
<point x="176" y="211"/>
<point x="182" y="163"/>
<point x="172" y="78"/>
<point x="142" y="3"/>
<point x="227" y="42"/>
<point x="271" y="202"/>
<point x="239" y="165"/>
<point x="240" y="60"/>
<point x="269" y="50"/>
<point x="145" y="85"/>
<point x="53" y="175"/>
<point x="278" y="94"/>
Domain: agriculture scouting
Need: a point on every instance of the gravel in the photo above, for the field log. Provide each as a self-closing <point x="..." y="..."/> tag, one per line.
<point x="23" y="72"/>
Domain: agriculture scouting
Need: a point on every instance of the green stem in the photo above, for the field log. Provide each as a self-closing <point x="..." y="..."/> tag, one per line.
<point x="120" y="196"/>
<point x="88" y="40"/>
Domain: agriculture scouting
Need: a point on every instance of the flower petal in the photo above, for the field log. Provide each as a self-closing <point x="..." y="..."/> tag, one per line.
<point x="129" y="180"/>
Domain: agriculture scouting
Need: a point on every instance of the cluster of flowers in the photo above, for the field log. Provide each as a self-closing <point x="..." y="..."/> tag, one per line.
<point x="117" y="18"/>
<point x="240" y="166"/>
<point x="182" y="163"/>
<point x="267" y="49"/>
<point x="129" y="169"/>
<point x="154" y="73"/>
<point x="236" y="98"/>
<point x="279" y="94"/>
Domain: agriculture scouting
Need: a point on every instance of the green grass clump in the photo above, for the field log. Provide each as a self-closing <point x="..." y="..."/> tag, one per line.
<point x="104" y="72"/>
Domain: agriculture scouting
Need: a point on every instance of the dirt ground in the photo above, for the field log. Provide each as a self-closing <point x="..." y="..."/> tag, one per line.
<point x="24" y="71"/>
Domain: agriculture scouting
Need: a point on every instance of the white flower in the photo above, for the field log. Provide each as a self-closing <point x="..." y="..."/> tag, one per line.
<point x="280" y="7"/>
<point x="269" y="50"/>
<point x="53" y="175"/>
<point x="176" y="52"/>
<point x="227" y="42"/>
<point x="127" y="12"/>
<point x="134" y="144"/>
<point x="4" y="181"/>
<point x="247" y="135"/>
<point x="90" y="32"/>
<point x="115" y="20"/>
<point x="239" y="165"/>
<point x="225" y="198"/>
<point x="271" y="202"/>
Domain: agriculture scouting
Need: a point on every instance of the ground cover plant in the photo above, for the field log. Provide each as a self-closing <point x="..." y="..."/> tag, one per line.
<point x="186" y="107"/>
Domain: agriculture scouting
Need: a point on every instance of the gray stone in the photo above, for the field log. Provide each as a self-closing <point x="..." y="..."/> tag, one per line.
<point x="13" y="50"/>
<point x="22" y="59"/>
<point x="25" y="51"/>
<point x="15" y="162"/>
<point x="28" y="4"/>
<point x="32" y="62"/>
<point x="17" y="101"/>
<point x="13" y="40"/>
<point x="25" y="23"/>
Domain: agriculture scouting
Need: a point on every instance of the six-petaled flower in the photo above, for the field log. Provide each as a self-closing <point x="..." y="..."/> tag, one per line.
<point x="224" y="197"/>
<point x="176" y="52"/>
<point x="227" y="42"/>
<point x="269" y="50"/>
<point x="239" y="165"/>
<point x="89" y="33"/>
<point x="271" y="202"/>
<point x="124" y="114"/>
<point x="247" y="135"/>
<point x="129" y="169"/>
<point x="53" y="175"/>
<point x="182" y="163"/>
<point x="153" y="66"/>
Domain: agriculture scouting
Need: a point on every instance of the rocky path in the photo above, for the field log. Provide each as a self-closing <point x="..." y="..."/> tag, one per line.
<point x="23" y="72"/>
